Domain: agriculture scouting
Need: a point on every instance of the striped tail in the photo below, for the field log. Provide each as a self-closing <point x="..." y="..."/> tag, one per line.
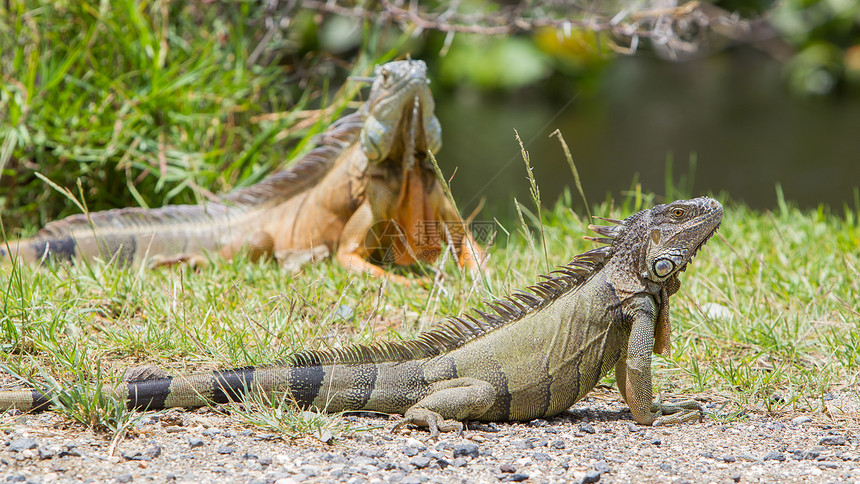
<point x="189" y="391"/>
<point x="303" y="384"/>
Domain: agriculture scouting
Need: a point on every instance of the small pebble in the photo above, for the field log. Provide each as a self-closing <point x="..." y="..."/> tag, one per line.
<point x="194" y="442"/>
<point x="775" y="426"/>
<point x="153" y="451"/>
<point x="587" y="428"/>
<point x="747" y="457"/>
<point x="134" y="456"/>
<point x="777" y="456"/>
<point x="420" y="462"/>
<point x="541" y="457"/>
<point x="832" y="440"/>
<point x="591" y="476"/>
<point x="801" y="420"/>
<point x="601" y="466"/>
<point x="46" y="453"/>
<point x="124" y="478"/>
<point x="17" y="445"/>
<point x="515" y="478"/>
<point x="811" y="454"/>
<point x="414" y="443"/>
<point x="225" y="450"/>
<point x="507" y="468"/>
<point x="465" y="450"/>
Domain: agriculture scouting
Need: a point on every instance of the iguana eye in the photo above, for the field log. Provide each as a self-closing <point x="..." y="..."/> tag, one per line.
<point x="678" y="212"/>
<point x="663" y="267"/>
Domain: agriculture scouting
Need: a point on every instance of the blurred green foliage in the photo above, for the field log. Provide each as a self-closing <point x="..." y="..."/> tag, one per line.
<point x="155" y="101"/>
<point x="826" y="38"/>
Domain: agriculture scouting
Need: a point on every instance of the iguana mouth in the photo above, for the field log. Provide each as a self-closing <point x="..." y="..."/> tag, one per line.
<point x="699" y="247"/>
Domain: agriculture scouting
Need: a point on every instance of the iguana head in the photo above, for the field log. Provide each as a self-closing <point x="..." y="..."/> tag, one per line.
<point x="399" y="113"/>
<point x="678" y="230"/>
<point x="659" y="242"/>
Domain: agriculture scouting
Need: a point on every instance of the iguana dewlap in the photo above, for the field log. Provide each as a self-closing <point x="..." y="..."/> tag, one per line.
<point x="539" y="353"/>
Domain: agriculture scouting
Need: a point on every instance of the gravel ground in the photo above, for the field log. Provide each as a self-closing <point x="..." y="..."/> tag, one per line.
<point x="596" y="441"/>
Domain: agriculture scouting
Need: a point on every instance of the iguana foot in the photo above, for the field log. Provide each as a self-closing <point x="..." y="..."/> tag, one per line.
<point x="192" y="260"/>
<point x="294" y="260"/>
<point x="431" y="420"/>
<point x="677" y="412"/>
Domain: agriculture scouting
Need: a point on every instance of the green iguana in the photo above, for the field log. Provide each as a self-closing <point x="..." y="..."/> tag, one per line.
<point x="366" y="190"/>
<point x="539" y="353"/>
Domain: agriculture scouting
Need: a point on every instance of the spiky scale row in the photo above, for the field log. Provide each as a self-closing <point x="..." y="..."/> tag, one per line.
<point x="457" y="331"/>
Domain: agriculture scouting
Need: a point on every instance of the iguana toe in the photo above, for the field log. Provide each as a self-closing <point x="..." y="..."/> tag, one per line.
<point x="677" y="412"/>
<point x="431" y="420"/>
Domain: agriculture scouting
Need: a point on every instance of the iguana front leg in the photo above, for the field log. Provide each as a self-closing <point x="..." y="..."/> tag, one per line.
<point x="449" y="403"/>
<point x="351" y="251"/>
<point x="633" y="372"/>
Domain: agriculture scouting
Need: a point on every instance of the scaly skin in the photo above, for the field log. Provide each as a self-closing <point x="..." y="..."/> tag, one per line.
<point x="543" y="350"/>
<point x="366" y="190"/>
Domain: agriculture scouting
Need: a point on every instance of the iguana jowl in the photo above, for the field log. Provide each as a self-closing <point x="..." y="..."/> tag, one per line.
<point x="542" y="351"/>
<point x="366" y="188"/>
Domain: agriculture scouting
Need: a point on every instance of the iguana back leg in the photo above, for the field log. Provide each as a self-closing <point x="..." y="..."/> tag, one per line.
<point x="450" y="402"/>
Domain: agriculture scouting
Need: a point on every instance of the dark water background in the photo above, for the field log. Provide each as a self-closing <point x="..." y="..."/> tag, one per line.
<point x="732" y="112"/>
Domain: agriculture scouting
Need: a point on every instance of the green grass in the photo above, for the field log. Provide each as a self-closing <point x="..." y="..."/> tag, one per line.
<point x="766" y="320"/>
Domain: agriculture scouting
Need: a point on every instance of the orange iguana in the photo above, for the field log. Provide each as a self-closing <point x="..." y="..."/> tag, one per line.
<point x="366" y="191"/>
